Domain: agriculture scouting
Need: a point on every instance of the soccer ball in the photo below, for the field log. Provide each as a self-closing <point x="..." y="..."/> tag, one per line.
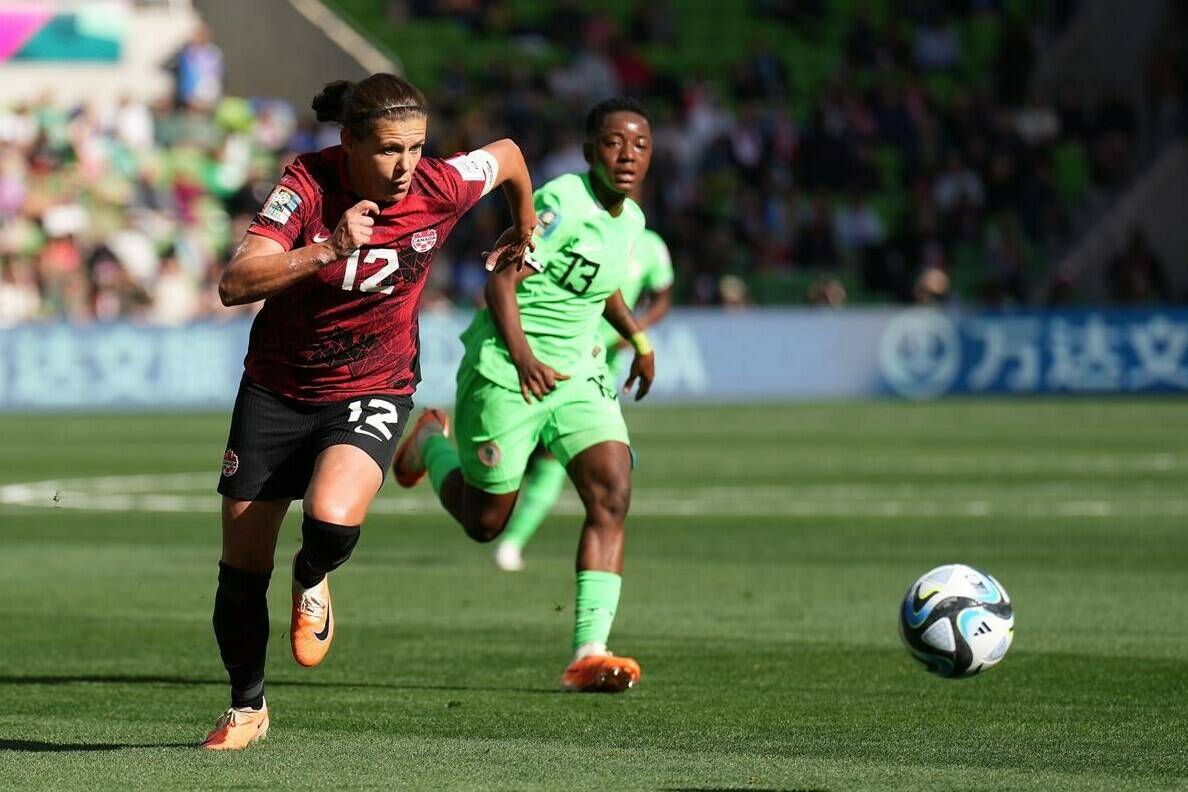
<point x="956" y="620"/>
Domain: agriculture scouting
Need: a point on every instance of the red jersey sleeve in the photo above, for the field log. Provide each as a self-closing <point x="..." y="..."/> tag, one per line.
<point x="285" y="212"/>
<point x="468" y="177"/>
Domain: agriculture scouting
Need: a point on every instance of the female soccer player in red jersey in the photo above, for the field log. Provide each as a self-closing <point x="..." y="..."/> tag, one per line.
<point x="339" y="254"/>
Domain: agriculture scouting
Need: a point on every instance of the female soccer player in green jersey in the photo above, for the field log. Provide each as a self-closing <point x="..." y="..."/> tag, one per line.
<point x="533" y="374"/>
<point x="649" y="276"/>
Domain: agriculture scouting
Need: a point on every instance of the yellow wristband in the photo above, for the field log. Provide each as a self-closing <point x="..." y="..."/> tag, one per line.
<point x="640" y="342"/>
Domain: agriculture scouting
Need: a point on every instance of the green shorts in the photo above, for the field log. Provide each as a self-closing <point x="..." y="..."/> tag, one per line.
<point x="497" y="430"/>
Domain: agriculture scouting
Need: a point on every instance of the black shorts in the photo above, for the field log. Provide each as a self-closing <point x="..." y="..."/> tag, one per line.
<point x="274" y="440"/>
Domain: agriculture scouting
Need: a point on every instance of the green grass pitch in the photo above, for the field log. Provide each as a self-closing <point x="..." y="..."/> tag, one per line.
<point x="767" y="553"/>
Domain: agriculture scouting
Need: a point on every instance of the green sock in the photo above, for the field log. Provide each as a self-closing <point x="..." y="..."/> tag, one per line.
<point x="594" y="611"/>
<point x="441" y="459"/>
<point x="540" y="490"/>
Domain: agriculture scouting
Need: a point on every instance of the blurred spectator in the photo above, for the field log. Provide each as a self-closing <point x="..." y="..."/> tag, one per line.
<point x="591" y="75"/>
<point x="827" y="291"/>
<point x="957" y="186"/>
<point x="199" y="71"/>
<point x="932" y="286"/>
<point x="175" y="297"/>
<point x="867" y="153"/>
<point x="937" y="45"/>
<point x="1136" y="275"/>
<point x="20" y="298"/>
<point x="733" y="290"/>
<point x="857" y="226"/>
<point x="134" y="125"/>
<point x="654" y="23"/>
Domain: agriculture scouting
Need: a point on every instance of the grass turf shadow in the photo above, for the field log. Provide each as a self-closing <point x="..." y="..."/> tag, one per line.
<point x="40" y="746"/>
<point x="158" y="679"/>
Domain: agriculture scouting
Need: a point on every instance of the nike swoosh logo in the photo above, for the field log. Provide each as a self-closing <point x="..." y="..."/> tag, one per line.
<point x="916" y="611"/>
<point x="325" y="633"/>
<point x="320" y="238"/>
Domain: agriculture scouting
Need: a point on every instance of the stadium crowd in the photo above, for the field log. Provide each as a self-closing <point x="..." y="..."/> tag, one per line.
<point x="898" y="179"/>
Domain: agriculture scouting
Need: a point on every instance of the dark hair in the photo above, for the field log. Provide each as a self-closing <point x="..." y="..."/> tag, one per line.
<point x="617" y="104"/>
<point x="357" y="106"/>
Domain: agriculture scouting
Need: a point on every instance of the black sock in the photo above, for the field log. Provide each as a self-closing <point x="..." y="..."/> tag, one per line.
<point x="324" y="548"/>
<point x="241" y="628"/>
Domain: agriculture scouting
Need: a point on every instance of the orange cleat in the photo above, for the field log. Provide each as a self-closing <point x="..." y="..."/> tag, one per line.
<point x="409" y="465"/>
<point x="236" y="729"/>
<point x="311" y="628"/>
<point x="601" y="673"/>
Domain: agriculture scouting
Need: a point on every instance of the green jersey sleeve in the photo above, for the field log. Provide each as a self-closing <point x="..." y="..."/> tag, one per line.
<point x="657" y="262"/>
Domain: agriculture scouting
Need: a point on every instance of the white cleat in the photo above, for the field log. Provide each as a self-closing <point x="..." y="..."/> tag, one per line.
<point x="508" y="558"/>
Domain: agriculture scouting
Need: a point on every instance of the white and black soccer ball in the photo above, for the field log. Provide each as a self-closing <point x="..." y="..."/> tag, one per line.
<point x="957" y="620"/>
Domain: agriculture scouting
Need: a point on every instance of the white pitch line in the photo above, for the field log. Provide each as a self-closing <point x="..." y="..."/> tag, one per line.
<point x="204" y="482"/>
<point x="160" y="493"/>
<point x="813" y="460"/>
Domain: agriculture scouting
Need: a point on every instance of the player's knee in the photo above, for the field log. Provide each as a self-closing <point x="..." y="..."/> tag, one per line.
<point x="332" y="512"/>
<point x="238" y="584"/>
<point x="326" y="546"/>
<point x="608" y="499"/>
<point x="484" y="526"/>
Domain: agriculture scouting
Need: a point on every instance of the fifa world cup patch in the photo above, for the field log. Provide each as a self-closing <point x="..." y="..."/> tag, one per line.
<point x="230" y="463"/>
<point x="424" y="240"/>
<point x="490" y="454"/>
<point x="546" y="222"/>
<point x="281" y="205"/>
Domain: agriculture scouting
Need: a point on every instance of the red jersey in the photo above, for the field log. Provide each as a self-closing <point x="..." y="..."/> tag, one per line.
<point x="351" y="327"/>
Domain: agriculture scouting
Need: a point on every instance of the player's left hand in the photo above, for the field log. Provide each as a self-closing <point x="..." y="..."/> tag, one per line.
<point x="643" y="368"/>
<point x="511" y="248"/>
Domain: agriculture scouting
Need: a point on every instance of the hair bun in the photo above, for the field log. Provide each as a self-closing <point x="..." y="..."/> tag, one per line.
<point x="331" y="102"/>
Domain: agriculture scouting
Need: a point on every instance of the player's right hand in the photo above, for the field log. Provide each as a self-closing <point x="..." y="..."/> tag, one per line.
<point x="512" y="247"/>
<point x="643" y="370"/>
<point x="537" y="379"/>
<point x="355" y="228"/>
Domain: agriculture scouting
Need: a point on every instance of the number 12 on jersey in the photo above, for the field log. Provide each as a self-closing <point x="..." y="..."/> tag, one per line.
<point x="372" y="284"/>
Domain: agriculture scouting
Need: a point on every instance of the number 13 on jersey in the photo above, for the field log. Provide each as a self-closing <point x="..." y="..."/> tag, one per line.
<point x="373" y="283"/>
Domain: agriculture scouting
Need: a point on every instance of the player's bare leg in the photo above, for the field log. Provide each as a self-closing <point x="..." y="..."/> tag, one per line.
<point x="250" y="529"/>
<point x="602" y="475"/>
<point x="344" y="482"/>
<point x="427" y="448"/>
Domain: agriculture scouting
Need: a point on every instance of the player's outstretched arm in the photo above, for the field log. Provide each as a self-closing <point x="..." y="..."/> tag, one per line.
<point x="536" y="378"/>
<point x="643" y="367"/>
<point x="261" y="267"/>
<point x="517" y="187"/>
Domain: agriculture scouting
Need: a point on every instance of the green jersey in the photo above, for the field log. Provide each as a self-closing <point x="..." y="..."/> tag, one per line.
<point x="648" y="269"/>
<point x="582" y="259"/>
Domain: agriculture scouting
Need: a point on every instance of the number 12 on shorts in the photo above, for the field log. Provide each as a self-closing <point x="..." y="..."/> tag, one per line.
<point x="378" y="421"/>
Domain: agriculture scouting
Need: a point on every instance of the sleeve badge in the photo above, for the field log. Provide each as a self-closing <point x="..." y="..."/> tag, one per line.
<point x="281" y="205"/>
